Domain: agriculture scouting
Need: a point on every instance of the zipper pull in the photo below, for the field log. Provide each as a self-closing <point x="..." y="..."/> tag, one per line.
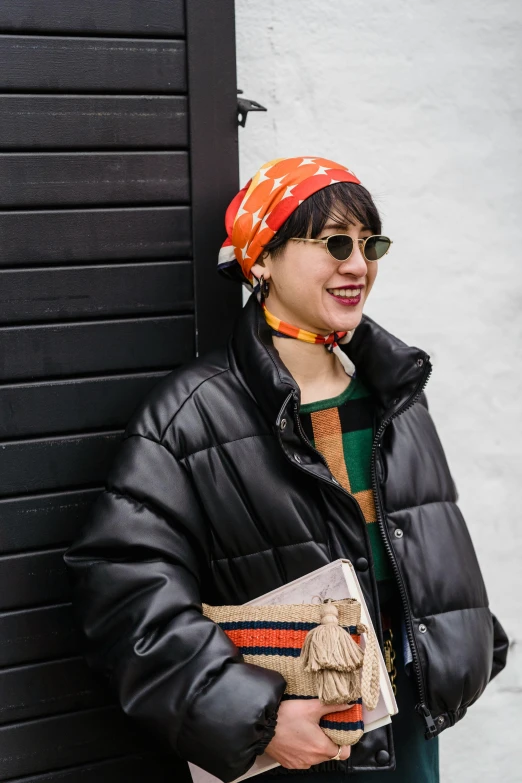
<point x="431" y="729"/>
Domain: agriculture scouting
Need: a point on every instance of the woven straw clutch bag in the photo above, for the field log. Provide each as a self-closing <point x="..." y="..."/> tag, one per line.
<point x="316" y="648"/>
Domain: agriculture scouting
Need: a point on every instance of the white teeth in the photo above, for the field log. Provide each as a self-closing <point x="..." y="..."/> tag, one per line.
<point x="352" y="293"/>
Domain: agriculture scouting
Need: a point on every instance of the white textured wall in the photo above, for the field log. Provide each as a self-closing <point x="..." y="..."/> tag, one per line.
<point x="423" y="101"/>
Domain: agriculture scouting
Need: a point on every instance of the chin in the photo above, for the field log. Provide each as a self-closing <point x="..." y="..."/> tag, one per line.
<point x="346" y="324"/>
<point x="342" y="318"/>
<point x="348" y="327"/>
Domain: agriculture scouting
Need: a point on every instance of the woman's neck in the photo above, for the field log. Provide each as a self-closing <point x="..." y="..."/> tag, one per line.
<point x="318" y="372"/>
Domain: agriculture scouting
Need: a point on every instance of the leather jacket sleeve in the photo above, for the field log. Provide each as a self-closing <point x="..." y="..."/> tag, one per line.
<point x="137" y="572"/>
<point x="500" y="639"/>
<point x="500" y="648"/>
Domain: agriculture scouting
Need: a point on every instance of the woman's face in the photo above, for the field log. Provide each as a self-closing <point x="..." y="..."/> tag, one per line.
<point x="309" y="288"/>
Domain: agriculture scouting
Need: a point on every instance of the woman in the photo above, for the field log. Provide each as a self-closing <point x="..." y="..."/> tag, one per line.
<point x="306" y="439"/>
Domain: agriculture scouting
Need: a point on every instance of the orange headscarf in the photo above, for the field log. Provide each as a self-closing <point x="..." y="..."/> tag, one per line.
<point x="263" y="205"/>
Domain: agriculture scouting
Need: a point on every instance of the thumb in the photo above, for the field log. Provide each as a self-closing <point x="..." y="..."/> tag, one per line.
<point x="324" y="709"/>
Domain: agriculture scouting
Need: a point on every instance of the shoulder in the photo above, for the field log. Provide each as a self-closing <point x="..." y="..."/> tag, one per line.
<point x="174" y="391"/>
<point x="194" y="406"/>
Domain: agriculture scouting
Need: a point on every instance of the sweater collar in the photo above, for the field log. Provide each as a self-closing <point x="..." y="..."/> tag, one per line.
<point x="390" y="368"/>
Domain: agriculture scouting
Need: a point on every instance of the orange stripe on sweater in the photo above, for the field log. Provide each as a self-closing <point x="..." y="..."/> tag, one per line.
<point x="328" y="437"/>
<point x="367" y="504"/>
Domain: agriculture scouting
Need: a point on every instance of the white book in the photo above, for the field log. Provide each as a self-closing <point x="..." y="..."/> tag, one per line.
<point x="336" y="580"/>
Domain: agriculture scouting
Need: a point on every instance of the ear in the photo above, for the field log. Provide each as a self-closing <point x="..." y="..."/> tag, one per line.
<point x="259" y="268"/>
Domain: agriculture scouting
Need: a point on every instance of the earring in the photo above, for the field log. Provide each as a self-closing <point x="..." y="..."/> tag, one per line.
<point x="264" y="287"/>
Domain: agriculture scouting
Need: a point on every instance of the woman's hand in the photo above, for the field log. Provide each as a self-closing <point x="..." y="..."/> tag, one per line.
<point x="298" y="741"/>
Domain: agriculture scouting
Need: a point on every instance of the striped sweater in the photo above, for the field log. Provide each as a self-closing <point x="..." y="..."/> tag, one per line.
<point x="341" y="429"/>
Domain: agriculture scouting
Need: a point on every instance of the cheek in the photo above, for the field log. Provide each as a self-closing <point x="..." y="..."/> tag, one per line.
<point x="371" y="275"/>
<point x="301" y="273"/>
<point x="300" y="289"/>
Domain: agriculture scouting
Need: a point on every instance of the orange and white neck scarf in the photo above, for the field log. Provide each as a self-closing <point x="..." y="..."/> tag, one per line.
<point x="267" y="200"/>
<point x="287" y="330"/>
<point x="330" y="341"/>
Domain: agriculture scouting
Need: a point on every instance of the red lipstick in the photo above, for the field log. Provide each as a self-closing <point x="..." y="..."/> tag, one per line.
<point x="350" y="296"/>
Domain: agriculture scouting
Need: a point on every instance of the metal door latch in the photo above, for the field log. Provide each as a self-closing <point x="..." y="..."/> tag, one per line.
<point x="244" y="105"/>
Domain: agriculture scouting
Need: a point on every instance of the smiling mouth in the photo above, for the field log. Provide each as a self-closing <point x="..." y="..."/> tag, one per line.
<point x="352" y="292"/>
<point x="346" y="296"/>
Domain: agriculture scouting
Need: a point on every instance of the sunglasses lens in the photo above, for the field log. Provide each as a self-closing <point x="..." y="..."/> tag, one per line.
<point x="340" y="246"/>
<point x="376" y="247"/>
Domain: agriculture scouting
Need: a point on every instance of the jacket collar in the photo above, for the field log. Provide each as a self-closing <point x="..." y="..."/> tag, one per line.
<point x="390" y="369"/>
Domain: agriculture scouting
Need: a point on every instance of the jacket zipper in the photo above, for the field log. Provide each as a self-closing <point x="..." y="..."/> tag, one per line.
<point x="421" y="708"/>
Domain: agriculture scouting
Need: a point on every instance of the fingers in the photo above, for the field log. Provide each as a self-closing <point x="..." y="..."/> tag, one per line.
<point x="347" y="749"/>
<point x="345" y="752"/>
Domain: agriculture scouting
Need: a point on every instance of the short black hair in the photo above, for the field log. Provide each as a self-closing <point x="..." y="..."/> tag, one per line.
<point x="337" y="202"/>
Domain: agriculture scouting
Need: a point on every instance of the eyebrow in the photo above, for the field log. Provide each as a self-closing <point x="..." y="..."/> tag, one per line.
<point x="343" y="224"/>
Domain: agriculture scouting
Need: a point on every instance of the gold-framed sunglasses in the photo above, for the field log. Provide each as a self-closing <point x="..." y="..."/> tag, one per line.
<point x="340" y="246"/>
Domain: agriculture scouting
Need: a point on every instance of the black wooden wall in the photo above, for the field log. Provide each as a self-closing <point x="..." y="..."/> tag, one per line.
<point x="118" y="156"/>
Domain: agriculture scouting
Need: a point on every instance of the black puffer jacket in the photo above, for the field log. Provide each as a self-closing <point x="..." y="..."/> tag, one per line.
<point x="216" y="496"/>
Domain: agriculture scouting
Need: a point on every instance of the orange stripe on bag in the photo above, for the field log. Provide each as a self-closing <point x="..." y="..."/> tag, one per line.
<point x="351" y="715"/>
<point x="250" y="637"/>
<point x="271" y="637"/>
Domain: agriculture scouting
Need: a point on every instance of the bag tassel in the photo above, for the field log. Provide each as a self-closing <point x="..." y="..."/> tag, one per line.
<point x="370" y="676"/>
<point x="334" y="657"/>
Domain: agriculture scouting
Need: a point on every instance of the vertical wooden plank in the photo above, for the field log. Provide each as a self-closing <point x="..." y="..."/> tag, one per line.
<point x="211" y="66"/>
<point x="118" y="110"/>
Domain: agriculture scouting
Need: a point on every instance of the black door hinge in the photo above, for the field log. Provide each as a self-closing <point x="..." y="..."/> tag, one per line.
<point x="244" y="105"/>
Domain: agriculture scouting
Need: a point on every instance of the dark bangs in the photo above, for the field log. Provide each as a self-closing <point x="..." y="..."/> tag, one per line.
<point x="335" y="202"/>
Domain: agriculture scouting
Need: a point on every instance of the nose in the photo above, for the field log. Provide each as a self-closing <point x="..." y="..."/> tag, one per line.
<point x="356" y="265"/>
